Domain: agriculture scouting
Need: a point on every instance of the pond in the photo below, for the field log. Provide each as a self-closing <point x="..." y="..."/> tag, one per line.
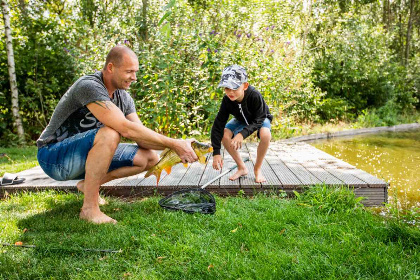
<point x="391" y="156"/>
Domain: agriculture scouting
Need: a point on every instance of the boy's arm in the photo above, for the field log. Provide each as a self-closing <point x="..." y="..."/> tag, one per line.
<point x="217" y="129"/>
<point x="256" y="104"/>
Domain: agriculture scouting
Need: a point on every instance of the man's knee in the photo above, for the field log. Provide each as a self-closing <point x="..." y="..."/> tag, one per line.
<point x="109" y="136"/>
<point x="145" y="158"/>
<point x="152" y="157"/>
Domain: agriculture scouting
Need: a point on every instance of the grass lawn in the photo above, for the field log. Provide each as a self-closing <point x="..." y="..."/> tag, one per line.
<point x="13" y="160"/>
<point x="323" y="234"/>
<point x="263" y="237"/>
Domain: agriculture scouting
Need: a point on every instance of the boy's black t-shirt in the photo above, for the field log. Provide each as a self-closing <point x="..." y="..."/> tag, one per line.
<point x="254" y="112"/>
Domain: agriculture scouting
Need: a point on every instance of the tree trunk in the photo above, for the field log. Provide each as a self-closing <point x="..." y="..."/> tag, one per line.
<point x="386" y="14"/>
<point x="307" y="26"/>
<point x="12" y="74"/>
<point x="409" y="27"/>
<point x="144" y="30"/>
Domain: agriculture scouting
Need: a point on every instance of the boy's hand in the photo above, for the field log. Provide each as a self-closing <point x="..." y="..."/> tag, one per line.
<point x="236" y="142"/>
<point x="217" y="162"/>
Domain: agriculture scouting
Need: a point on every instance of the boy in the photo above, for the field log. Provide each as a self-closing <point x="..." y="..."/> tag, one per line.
<point x="250" y="113"/>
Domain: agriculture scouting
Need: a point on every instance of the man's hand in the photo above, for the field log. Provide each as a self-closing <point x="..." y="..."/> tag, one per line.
<point x="184" y="150"/>
<point x="217" y="162"/>
<point x="236" y="142"/>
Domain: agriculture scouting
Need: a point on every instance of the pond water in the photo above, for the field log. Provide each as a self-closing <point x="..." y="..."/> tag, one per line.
<point x="391" y="156"/>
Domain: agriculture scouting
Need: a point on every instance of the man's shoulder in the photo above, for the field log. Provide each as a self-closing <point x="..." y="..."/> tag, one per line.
<point x="95" y="78"/>
<point x="92" y="82"/>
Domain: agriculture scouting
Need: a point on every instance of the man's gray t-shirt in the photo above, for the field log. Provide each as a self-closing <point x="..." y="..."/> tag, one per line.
<point x="71" y="116"/>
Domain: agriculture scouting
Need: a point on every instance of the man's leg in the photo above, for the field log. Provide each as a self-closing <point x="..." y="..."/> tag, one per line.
<point x="265" y="136"/>
<point x="242" y="170"/>
<point x="97" y="164"/>
<point x="143" y="160"/>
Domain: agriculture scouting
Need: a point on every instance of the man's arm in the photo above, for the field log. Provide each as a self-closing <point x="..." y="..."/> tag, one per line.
<point x="110" y="115"/>
<point x="134" y="118"/>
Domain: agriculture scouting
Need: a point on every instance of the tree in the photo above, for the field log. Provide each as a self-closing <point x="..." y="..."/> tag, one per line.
<point x="12" y="73"/>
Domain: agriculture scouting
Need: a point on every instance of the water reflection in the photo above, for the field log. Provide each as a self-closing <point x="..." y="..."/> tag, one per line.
<point x="391" y="156"/>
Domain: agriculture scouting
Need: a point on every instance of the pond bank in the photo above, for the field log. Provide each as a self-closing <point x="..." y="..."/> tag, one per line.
<point x="351" y="132"/>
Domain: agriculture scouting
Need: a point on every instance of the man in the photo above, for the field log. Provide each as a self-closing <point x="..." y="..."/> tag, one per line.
<point x="82" y="139"/>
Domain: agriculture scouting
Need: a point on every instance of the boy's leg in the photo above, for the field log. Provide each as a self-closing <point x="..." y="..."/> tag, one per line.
<point x="265" y="136"/>
<point x="242" y="170"/>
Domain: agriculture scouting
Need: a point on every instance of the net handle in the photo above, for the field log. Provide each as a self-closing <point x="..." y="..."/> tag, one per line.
<point x="221" y="175"/>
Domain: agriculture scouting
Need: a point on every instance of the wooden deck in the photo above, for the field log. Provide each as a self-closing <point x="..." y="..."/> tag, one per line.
<point x="287" y="167"/>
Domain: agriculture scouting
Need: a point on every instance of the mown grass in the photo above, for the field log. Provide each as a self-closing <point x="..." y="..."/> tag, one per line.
<point x="263" y="237"/>
<point x="16" y="159"/>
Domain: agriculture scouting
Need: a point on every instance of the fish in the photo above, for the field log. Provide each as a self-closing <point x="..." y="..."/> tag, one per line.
<point x="169" y="158"/>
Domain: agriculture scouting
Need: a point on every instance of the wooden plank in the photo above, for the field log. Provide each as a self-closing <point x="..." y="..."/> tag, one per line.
<point x="323" y="175"/>
<point x="132" y="181"/>
<point x="172" y="180"/>
<point x="249" y="180"/>
<point x="115" y="182"/>
<point x="267" y="171"/>
<point x="228" y="163"/>
<point x="287" y="167"/>
<point x="35" y="177"/>
<point x="305" y="177"/>
<point x="209" y="174"/>
<point x="301" y="173"/>
<point x="193" y="175"/>
<point x="286" y="177"/>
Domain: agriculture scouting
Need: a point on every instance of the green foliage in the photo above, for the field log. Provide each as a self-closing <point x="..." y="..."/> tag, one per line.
<point x="330" y="199"/>
<point x="13" y="160"/>
<point x="356" y="67"/>
<point x="329" y="61"/>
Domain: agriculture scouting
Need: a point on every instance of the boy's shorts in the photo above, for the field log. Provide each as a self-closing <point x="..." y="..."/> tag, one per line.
<point x="236" y="126"/>
<point x="66" y="160"/>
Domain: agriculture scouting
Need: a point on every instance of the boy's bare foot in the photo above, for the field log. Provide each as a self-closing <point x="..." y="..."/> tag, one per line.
<point x="259" y="178"/>
<point x="239" y="173"/>
<point x="95" y="216"/>
<point x="81" y="187"/>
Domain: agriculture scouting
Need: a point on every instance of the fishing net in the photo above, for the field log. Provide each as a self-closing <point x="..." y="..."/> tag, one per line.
<point x="196" y="200"/>
<point x="190" y="201"/>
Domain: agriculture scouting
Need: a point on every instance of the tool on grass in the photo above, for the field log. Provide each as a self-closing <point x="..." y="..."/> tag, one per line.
<point x="197" y="200"/>
<point x="65" y="249"/>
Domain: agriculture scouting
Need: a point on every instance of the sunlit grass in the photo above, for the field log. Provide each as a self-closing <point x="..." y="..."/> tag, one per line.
<point x="263" y="237"/>
<point x="17" y="159"/>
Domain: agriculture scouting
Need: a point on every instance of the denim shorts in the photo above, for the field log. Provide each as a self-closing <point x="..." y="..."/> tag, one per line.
<point x="236" y="126"/>
<point x="66" y="160"/>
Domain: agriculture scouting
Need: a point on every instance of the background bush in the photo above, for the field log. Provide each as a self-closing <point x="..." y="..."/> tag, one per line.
<point x="312" y="61"/>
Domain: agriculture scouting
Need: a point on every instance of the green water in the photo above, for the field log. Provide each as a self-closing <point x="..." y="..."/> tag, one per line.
<point x="391" y="156"/>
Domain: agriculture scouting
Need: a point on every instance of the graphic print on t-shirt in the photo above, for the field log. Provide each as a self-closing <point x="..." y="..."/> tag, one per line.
<point x="80" y="121"/>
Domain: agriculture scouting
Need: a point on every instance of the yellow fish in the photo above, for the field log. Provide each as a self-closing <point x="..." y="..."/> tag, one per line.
<point x="169" y="158"/>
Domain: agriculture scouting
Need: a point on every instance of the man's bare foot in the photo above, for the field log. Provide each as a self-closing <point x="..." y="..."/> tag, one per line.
<point x="259" y="178"/>
<point x="81" y="187"/>
<point x="95" y="216"/>
<point x="239" y="173"/>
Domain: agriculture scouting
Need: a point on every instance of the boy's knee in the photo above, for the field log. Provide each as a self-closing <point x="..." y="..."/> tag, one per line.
<point x="227" y="135"/>
<point x="265" y="134"/>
